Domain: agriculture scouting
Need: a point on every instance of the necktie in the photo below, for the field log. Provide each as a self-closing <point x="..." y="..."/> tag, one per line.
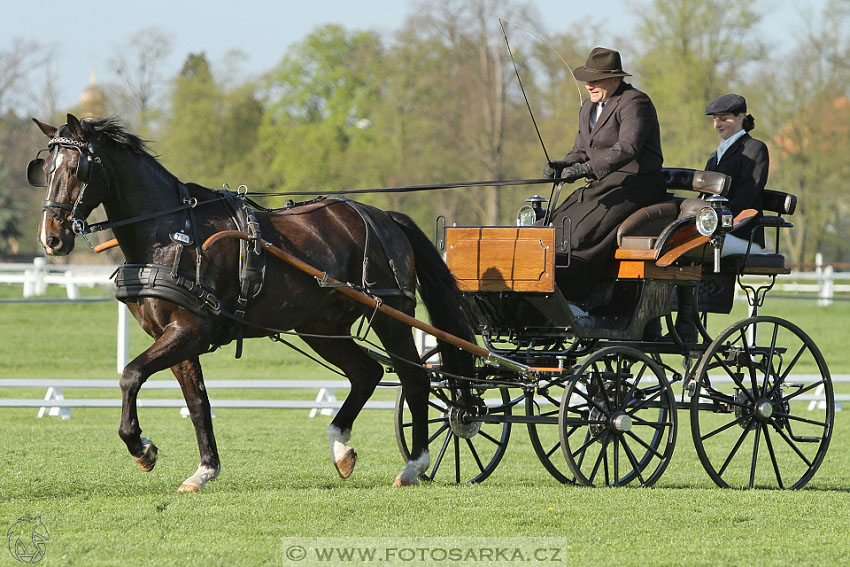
<point x="594" y="116"/>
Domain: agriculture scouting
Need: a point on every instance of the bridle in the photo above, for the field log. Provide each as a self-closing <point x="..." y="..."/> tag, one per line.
<point x="83" y="173"/>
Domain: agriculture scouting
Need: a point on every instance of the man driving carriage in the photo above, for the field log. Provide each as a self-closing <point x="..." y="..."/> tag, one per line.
<point x="618" y="149"/>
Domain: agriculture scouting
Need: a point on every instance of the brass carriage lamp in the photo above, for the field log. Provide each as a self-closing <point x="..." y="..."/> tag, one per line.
<point x="532" y="211"/>
<point x="715" y="221"/>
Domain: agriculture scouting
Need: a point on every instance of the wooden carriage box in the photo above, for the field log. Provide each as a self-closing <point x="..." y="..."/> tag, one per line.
<point x="520" y="259"/>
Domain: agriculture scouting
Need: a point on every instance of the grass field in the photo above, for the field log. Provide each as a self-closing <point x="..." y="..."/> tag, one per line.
<point x="277" y="481"/>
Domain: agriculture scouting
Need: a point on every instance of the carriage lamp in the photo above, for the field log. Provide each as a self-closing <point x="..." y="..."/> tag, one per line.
<point x="715" y="220"/>
<point x="532" y="211"/>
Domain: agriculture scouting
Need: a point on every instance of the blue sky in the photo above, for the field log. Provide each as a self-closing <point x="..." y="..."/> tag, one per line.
<point x="263" y="29"/>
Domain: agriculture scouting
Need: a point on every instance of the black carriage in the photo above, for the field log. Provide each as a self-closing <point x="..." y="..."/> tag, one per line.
<point x="601" y="402"/>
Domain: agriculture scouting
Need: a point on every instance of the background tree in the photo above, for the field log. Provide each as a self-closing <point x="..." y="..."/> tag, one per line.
<point x="138" y="66"/>
<point x="691" y="52"/>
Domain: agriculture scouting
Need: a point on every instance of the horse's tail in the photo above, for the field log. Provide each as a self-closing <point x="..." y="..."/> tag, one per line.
<point x="437" y="286"/>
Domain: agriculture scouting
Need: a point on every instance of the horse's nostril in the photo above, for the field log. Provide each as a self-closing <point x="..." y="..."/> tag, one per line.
<point x="54" y="242"/>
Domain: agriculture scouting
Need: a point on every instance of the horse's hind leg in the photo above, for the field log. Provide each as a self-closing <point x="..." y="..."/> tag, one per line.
<point x="191" y="379"/>
<point x="364" y="373"/>
<point x="415" y="384"/>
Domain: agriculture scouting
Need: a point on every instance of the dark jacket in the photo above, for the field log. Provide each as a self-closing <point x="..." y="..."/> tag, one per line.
<point x="746" y="161"/>
<point x="624" y="151"/>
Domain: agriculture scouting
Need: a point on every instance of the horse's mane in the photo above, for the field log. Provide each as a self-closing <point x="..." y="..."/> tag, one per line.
<point x="113" y="130"/>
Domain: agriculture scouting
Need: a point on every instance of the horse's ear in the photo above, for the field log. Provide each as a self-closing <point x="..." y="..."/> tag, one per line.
<point x="75" y="127"/>
<point x="49" y="131"/>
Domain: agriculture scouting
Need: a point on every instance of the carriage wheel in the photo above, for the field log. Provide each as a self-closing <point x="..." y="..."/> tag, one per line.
<point x="751" y="422"/>
<point x="544" y="405"/>
<point x="461" y="449"/>
<point x="617" y="419"/>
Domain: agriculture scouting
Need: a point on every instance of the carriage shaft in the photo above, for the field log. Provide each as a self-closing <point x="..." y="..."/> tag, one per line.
<point x="374" y="302"/>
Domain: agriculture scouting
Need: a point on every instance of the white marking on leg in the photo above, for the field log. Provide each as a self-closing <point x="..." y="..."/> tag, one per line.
<point x="338" y="440"/>
<point x="201" y="477"/>
<point x="414" y="468"/>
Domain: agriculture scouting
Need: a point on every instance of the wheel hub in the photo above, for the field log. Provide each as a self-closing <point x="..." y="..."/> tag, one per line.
<point x="460" y="425"/>
<point x="621" y="422"/>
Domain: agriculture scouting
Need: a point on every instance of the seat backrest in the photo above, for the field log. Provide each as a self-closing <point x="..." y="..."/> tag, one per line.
<point x="707" y="182"/>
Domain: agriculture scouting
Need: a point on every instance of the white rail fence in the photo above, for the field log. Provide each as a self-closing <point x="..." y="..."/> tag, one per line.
<point x="823" y="283"/>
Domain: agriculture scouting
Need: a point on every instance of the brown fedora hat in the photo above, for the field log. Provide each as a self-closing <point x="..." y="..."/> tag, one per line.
<point x="601" y="64"/>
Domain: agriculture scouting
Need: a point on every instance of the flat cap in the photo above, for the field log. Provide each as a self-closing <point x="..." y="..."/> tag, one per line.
<point x="727" y="104"/>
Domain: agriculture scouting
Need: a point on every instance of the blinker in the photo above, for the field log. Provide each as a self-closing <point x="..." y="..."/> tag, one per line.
<point x="35" y="173"/>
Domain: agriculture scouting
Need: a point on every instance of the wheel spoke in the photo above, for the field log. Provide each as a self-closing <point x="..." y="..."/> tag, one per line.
<point x="773" y="457"/>
<point x="755" y="454"/>
<point x="644" y="444"/>
<point x="726" y="426"/>
<point x="644" y="402"/>
<point x="456" y="443"/>
<point x="654" y="425"/>
<point x="790" y="443"/>
<point x="616" y="460"/>
<point x="769" y="366"/>
<point x="634" y="462"/>
<point x="734" y="450"/>
<point x="802" y="419"/>
<point x="489" y="437"/>
<point x="598" y="462"/>
<point x="474" y="455"/>
<point x="590" y="401"/>
<point x="734" y="377"/>
<point x="750" y="366"/>
<point x="583" y="453"/>
<point x="803" y="348"/>
<point x="802" y="390"/>
<point x="552" y="451"/>
<point x="724" y="400"/>
<point x="438" y="432"/>
<point x="438" y="461"/>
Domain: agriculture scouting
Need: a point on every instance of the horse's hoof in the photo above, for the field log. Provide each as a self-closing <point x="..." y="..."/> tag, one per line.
<point x="149" y="454"/>
<point x="200" y="479"/>
<point x="400" y="481"/>
<point x="345" y="465"/>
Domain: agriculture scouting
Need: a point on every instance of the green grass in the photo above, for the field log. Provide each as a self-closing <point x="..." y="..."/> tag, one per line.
<point x="277" y="480"/>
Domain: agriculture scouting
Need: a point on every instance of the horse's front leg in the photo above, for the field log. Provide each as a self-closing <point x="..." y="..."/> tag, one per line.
<point x="191" y="379"/>
<point x="173" y="346"/>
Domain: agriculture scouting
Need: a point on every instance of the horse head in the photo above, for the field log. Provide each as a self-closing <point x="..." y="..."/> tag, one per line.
<point x="73" y="186"/>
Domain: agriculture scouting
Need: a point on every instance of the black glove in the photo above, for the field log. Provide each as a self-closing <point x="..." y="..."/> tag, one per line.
<point x="576" y="171"/>
<point x="553" y="168"/>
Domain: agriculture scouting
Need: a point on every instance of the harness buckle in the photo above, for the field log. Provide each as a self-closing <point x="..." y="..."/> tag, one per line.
<point x="79" y="227"/>
<point x="191" y="201"/>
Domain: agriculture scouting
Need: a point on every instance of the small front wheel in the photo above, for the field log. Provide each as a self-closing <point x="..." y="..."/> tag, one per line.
<point x="617" y="419"/>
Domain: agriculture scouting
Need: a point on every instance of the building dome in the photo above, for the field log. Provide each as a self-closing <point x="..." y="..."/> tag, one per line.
<point x="92" y="98"/>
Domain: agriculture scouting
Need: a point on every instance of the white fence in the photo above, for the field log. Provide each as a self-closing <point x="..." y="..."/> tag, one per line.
<point x="37" y="276"/>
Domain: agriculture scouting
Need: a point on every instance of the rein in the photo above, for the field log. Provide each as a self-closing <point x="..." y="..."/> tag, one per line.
<point x="412" y="188"/>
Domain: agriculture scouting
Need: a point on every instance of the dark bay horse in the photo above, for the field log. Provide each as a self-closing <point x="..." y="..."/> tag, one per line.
<point x="190" y="300"/>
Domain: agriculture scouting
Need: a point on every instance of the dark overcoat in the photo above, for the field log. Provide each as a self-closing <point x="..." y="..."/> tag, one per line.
<point x="746" y="161"/>
<point x="624" y="151"/>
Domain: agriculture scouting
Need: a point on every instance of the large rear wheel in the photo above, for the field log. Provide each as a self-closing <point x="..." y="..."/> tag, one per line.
<point x="753" y="417"/>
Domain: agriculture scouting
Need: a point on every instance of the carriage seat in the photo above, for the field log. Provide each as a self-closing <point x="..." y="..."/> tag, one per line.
<point x="642" y="229"/>
<point x="766" y="263"/>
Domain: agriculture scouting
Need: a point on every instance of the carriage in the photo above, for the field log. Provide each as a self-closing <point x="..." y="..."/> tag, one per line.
<point x="600" y="399"/>
<point x="600" y="402"/>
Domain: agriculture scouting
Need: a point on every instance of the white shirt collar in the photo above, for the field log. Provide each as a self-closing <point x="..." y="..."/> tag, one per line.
<point x="725" y="144"/>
